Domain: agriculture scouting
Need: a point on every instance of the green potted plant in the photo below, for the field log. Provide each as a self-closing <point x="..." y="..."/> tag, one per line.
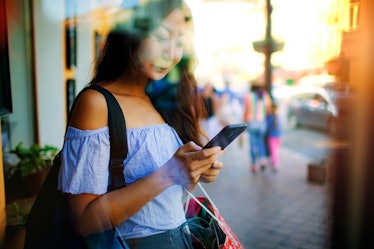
<point x="29" y="172"/>
<point x="15" y="229"/>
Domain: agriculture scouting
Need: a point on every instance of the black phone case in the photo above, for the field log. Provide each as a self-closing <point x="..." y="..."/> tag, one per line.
<point x="226" y="135"/>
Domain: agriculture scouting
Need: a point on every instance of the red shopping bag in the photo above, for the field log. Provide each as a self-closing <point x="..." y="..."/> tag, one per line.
<point x="208" y="228"/>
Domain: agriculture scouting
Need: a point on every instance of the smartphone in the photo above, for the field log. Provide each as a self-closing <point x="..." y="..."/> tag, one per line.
<point x="226" y="135"/>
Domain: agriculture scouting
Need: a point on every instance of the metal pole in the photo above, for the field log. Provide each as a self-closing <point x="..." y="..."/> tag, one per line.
<point x="268" y="48"/>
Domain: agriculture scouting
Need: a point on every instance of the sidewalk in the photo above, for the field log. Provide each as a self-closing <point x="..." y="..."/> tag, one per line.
<point x="272" y="210"/>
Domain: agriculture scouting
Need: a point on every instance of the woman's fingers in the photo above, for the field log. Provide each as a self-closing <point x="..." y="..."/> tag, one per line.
<point x="217" y="165"/>
<point x="211" y="174"/>
<point x="190" y="162"/>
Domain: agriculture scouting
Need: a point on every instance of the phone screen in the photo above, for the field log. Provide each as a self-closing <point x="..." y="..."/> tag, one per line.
<point x="226" y="135"/>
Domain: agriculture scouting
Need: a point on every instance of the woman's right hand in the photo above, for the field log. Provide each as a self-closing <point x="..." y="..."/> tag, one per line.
<point x="190" y="162"/>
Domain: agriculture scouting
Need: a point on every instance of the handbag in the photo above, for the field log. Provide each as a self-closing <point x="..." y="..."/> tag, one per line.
<point x="207" y="227"/>
<point x="48" y="225"/>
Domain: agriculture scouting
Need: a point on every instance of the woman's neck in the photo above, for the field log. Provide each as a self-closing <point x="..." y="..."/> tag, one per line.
<point x="131" y="86"/>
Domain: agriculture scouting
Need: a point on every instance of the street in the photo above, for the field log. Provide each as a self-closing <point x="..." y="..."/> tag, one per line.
<point x="275" y="210"/>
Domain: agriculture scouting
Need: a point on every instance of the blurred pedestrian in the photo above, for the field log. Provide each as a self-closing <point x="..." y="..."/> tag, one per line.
<point x="274" y="136"/>
<point x="256" y="105"/>
<point x="210" y="122"/>
<point x="230" y="110"/>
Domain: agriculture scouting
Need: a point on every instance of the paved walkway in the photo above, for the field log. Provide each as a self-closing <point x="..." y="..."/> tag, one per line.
<point x="272" y="210"/>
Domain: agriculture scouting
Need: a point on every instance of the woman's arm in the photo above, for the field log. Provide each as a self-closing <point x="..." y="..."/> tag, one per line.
<point x="93" y="213"/>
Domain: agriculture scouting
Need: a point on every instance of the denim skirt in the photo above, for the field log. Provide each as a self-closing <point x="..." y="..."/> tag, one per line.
<point x="178" y="238"/>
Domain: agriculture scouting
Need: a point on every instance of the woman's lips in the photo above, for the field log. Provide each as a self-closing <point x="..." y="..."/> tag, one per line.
<point x="160" y="69"/>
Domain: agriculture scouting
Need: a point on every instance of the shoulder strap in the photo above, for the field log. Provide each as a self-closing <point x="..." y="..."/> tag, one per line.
<point x="118" y="138"/>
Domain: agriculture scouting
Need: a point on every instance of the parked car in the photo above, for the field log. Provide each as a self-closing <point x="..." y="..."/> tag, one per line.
<point x="312" y="107"/>
<point x="338" y="90"/>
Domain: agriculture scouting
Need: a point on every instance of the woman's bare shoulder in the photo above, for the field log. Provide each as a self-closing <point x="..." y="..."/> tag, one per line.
<point x="90" y="111"/>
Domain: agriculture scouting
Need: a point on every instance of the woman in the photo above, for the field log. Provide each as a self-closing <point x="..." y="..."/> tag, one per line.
<point x="256" y="106"/>
<point x="164" y="148"/>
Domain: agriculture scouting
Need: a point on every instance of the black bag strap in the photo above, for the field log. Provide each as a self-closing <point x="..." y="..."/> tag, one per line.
<point x="118" y="138"/>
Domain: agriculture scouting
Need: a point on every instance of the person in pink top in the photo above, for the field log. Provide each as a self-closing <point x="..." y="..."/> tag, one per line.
<point x="274" y="136"/>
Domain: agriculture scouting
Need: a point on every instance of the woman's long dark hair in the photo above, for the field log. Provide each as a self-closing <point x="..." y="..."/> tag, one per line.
<point x="181" y="104"/>
<point x="118" y="57"/>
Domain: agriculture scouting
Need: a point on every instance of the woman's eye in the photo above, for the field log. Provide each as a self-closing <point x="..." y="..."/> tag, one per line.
<point x="180" y="44"/>
<point x="161" y="38"/>
<point x="164" y="39"/>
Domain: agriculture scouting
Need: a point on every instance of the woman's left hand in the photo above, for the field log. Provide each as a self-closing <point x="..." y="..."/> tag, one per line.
<point x="212" y="173"/>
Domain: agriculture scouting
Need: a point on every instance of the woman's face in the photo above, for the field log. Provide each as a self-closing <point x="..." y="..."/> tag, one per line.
<point x="163" y="49"/>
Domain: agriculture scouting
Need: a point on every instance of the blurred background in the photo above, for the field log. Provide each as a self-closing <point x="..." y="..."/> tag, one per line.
<point x="314" y="59"/>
